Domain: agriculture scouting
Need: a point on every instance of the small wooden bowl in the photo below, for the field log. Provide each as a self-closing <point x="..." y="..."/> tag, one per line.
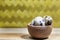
<point x="39" y="32"/>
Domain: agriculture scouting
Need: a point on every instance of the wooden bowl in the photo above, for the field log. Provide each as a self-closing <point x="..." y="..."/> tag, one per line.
<point x="39" y="31"/>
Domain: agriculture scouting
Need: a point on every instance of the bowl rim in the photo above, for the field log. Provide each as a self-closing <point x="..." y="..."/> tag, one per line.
<point x="29" y="25"/>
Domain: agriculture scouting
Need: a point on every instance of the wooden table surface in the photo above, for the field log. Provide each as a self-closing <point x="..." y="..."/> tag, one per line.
<point x="5" y="35"/>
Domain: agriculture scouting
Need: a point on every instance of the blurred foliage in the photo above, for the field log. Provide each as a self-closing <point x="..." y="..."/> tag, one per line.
<point x="18" y="13"/>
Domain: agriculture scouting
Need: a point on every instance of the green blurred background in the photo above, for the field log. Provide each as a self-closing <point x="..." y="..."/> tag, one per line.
<point x="18" y="13"/>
